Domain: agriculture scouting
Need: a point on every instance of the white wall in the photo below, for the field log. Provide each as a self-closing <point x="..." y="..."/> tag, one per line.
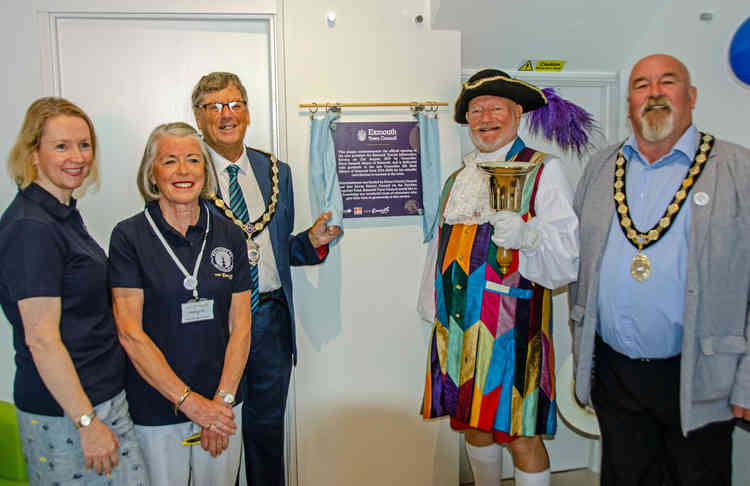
<point x="22" y="84"/>
<point x="362" y="353"/>
<point x="723" y="101"/>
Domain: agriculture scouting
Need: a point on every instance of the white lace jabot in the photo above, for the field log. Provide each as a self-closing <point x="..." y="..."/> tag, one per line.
<point x="469" y="201"/>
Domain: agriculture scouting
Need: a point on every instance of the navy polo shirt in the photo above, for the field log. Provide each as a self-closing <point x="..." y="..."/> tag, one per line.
<point x="46" y="251"/>
<point x="195" y="351"/>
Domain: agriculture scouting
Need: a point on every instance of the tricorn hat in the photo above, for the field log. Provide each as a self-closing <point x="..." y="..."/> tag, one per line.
<point x="497" y="83"/>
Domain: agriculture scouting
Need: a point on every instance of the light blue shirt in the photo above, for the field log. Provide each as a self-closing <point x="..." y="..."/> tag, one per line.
<point x="644" y="319"/>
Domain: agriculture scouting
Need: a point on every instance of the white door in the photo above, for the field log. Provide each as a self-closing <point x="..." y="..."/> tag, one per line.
<point x="158" y="60"/>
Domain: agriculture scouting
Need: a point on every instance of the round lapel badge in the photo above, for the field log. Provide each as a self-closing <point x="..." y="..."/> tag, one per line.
<point x="701" y="198"/>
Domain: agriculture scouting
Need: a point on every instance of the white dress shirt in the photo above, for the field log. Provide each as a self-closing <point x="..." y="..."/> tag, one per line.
<point x="268" y="274"/>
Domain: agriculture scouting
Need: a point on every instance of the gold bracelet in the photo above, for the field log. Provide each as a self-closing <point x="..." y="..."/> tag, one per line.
<point x="181" y="400"/>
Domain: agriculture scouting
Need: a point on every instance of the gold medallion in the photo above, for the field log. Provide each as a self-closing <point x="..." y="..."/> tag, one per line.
<point x="640" y="267"/>
<point x="253" y="252"/>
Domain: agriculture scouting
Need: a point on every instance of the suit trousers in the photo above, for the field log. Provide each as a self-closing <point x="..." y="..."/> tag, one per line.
<point x="637" y="405"/>
<point x="267" y="375"/>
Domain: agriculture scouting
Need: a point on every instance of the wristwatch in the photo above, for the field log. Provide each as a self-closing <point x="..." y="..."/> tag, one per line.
<point x="85" y="419"/>
<point x="226" y="396"/>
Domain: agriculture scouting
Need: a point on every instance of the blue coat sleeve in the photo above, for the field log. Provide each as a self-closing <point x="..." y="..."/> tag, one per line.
<point x="301" y="251"/>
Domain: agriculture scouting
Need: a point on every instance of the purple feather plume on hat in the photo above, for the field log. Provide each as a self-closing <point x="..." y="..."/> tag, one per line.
<point x="563" y="122"/>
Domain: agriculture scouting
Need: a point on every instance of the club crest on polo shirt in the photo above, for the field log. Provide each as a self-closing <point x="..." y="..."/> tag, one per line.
<point x="222" y="259"/>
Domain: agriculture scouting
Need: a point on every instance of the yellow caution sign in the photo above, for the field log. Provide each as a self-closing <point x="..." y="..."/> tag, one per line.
<point x="548" y="65"/>
<point x="527" y="66"/>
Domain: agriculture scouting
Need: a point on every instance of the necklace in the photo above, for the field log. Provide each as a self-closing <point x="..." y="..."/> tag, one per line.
<point x="640" y="267"/>
<point x="252" y="228"/>
<point x="191" y="280"/>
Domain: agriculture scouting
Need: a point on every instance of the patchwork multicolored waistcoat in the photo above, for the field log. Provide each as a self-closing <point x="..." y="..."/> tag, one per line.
<point x="491" y="359"/>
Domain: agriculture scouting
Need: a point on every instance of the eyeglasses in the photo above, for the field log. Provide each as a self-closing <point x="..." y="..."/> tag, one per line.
<point x="478" y="112"/>
<point x="214" y="108"/>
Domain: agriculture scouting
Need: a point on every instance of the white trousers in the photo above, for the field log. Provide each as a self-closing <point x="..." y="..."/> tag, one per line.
<point x="171" y="463"/>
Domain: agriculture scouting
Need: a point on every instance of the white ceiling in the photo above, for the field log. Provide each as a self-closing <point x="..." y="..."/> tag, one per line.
<point x="590" y="35"/>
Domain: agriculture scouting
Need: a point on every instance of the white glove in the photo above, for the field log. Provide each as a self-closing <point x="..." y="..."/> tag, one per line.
<point x="511" y="232"/>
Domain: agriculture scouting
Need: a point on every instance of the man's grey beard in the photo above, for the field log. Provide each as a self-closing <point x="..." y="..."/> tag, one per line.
<point x="482" y="146"/>
<point x="659" y="130"/>
<point x="656" y="130"/>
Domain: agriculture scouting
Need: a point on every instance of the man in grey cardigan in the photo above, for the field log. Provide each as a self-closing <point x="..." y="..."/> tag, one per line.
<point x="662" y="295"/>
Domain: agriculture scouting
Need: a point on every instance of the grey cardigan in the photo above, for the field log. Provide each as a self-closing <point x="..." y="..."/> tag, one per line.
<point x="715" y="366"/>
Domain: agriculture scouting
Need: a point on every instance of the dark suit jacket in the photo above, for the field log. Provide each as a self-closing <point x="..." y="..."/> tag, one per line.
<point x="289" y="250"/>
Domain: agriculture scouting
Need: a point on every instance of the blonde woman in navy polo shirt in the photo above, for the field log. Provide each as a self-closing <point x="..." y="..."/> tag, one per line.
<point x="180" y="282"/>
<point x="70" y="367"/>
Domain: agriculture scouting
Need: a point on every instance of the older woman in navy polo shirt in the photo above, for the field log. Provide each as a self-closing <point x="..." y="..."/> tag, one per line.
<point x="70" y="367"/>
<point x="180" y="282"/>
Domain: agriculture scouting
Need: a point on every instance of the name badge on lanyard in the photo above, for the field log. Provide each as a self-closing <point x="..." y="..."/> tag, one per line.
<point x="200" y="310"/>
<point x="196" y="309"/>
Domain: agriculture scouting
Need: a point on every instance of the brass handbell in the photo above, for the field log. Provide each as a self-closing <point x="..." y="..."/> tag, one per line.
<point x="507" y="180"/>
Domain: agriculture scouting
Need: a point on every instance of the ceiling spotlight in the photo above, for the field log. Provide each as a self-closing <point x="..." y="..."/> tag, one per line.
<point x="331" y="19"/>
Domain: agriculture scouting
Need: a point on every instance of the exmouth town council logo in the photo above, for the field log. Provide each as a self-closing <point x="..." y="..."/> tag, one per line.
<point x="222" y="259"/>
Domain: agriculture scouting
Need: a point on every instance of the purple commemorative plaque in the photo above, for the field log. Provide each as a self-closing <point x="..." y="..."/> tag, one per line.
<point x="378" y="165"/>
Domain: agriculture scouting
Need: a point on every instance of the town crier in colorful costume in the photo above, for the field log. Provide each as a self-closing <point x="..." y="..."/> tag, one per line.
<point x="490" y="359"/>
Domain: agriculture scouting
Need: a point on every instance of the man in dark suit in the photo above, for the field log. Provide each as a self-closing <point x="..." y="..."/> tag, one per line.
<point x="258" y="190"/>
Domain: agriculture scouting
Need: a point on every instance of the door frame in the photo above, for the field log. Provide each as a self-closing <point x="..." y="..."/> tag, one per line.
<point x="609" y="84"/>
<point x="48" y="20"/>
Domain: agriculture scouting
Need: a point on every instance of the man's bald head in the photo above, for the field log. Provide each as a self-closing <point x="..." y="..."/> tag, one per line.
<point x="660" y="99"/>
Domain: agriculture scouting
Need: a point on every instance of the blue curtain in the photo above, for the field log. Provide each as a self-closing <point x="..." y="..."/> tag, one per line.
<point x="429" y="147"/>
<point x="324" y="181"/>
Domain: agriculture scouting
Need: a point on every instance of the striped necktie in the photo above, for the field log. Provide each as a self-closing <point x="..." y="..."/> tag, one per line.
<point x="239" y="208"/>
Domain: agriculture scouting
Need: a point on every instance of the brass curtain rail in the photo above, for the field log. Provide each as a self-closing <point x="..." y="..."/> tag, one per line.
<point x="414" y="105"/>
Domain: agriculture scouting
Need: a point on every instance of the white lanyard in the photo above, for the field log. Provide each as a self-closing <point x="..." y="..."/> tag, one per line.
<point x="191" y="281"/>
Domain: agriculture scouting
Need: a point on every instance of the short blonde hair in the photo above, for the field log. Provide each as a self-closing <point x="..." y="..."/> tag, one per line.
<point x="20" y="162"/>
<point x="148" y="190"/>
